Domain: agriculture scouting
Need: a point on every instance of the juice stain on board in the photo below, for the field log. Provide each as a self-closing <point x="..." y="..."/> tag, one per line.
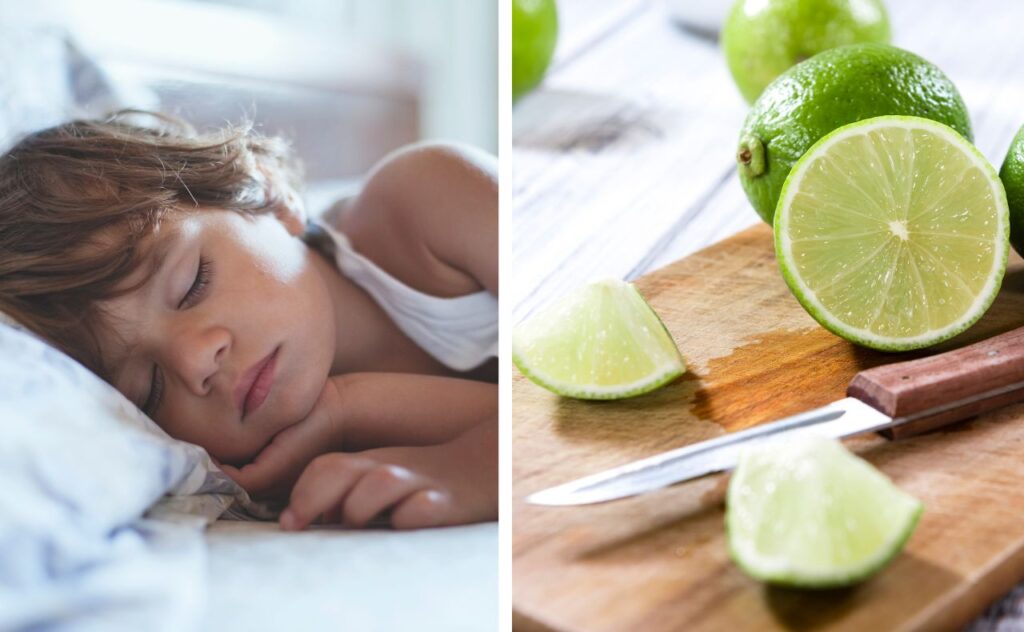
<point x="778" y="374"/>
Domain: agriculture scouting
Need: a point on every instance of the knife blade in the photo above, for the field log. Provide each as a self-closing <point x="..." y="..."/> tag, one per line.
<point x="843" y="418"/>
<point x="899" y="399"/>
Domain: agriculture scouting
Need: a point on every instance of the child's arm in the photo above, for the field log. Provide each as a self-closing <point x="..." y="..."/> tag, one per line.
<point x="392" y="409"/>
<point x="448" y="427"/>
<point x="428" y="214"/>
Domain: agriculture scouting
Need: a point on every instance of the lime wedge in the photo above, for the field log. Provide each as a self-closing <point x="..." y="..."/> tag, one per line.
<point x="893" y="232"/>
<point x="810" y="514"/>
<point x="602" y="341"/>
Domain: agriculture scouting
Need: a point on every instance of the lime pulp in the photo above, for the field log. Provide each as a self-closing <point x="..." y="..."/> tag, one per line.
<point x="893" y="232"/>
<point x="602" y="341"/>
<point x="807" y="513"/>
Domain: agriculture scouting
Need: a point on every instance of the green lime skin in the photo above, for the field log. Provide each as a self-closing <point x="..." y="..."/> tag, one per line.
<point x="834" y="88"/>
<point x="762" y="39"/>
<point x="534" y="35"/>
<point x="1012" y="175"/>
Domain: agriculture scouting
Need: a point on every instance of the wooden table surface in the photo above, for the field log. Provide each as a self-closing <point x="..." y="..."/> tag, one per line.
<point x="623" y="158"/>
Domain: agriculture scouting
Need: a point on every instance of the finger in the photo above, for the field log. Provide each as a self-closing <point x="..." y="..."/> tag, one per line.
<point x="377" y="490"/>
<point x="281" y="460"/>
<point x="323" y="485"/>
<point x="230" y="470"/>
<point x="253" y="478"/>
<point x="425" y="508"/>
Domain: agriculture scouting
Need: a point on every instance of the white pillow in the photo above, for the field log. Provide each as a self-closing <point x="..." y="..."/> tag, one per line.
<point x="55" y="398"/>
<point x="82" y="544"/>
<point x="45" y="79"/>
<point x="34" y="89"/>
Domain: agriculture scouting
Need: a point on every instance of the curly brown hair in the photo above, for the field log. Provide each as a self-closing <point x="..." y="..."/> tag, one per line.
<point x="77" y="200"/>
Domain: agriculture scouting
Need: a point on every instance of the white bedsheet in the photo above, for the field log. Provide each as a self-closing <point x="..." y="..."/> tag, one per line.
<point x="442" y="580"/>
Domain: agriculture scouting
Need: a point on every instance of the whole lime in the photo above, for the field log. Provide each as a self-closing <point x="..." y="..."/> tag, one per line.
<point x="534" y="35"/>
<point x="829" y="90"/>
<point x="764" y="38"/>
<point x="1012" y="175"/>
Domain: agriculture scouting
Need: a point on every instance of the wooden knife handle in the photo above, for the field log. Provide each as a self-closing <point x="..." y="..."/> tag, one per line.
<point x="940" y="389"/>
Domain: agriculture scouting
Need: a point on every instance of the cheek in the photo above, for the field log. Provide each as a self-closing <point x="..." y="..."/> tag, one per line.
<point x="310" y="354"/>
<point x="184" y="428"/>
<point x="278" y="257"/>
<point x="285" y="288"/>
<point x="298" y="402"/>
<point x="202" y="424"/>
<point x="308" y="311"/>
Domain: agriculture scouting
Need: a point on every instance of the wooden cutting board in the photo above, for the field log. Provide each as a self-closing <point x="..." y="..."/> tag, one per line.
<point x="659" y="561"/>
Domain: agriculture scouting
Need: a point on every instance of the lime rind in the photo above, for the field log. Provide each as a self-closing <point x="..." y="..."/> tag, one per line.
<point x="761" y="40"/>
<point x="577" y="391"/>
<point x="807" y="297"/>
<point x="815" y="524"/>
<point x="601" y="342"/>
<point x="1012" y="175"/>
<point x="839" y="86"/>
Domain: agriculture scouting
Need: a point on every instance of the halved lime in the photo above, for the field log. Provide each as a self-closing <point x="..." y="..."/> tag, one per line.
<point x="602" y="341"/>
<point x="893" y="232"/>
<point x="808" y="513"/>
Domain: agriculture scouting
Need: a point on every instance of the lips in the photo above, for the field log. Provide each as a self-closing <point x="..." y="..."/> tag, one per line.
<point x="255" y="384"/>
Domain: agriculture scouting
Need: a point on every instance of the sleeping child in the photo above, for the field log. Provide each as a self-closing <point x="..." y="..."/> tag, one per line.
<point x="344" y="367"/>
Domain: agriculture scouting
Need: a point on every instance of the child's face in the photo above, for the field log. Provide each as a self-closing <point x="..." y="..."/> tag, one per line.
<point x="232" y="292"/>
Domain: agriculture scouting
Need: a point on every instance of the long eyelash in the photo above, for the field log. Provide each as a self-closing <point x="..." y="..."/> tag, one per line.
<point x="199" y="285"/>
<point x="194" y="293"/>
<point x="156" y="393"/>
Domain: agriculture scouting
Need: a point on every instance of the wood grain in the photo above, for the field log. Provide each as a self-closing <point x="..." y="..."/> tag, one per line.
<point x="659" y="561"/>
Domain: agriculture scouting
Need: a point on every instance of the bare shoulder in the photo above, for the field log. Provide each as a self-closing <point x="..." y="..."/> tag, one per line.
<point x="428" y="215"/>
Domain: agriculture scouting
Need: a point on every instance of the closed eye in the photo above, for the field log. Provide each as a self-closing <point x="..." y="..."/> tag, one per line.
<point x="156" y="392"/>
<point x="203" y="273"/>
<point x="195" y="292"/>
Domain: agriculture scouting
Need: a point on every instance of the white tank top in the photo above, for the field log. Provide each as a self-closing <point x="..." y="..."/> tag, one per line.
<point x="460" y="332"/>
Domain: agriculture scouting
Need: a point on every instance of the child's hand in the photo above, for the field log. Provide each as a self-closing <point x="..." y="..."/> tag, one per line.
<point x="353" y="488"/>
<point x="423" y="486"/>
<point x="276" y="468"/>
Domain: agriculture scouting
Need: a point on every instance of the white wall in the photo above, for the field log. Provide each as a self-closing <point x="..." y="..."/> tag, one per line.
<point x="456" y="40"/>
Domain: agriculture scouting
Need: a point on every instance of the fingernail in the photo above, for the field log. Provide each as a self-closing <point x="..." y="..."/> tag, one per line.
<point x="288" y="520"/>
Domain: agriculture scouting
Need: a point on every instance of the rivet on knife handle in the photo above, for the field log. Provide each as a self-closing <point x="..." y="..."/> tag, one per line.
<point x="938" y="390"/>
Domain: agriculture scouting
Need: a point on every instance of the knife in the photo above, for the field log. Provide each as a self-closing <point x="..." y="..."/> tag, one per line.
<point x="898" y="400"/>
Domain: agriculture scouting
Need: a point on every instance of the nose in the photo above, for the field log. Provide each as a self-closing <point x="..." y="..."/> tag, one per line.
<point x="196" y="355"/>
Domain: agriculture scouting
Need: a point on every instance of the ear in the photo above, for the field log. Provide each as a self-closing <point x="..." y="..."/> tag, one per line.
<point x="291" y="212"/>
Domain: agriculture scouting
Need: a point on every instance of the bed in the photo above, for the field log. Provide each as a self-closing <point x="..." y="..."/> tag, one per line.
<point x="107" y="523"/>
